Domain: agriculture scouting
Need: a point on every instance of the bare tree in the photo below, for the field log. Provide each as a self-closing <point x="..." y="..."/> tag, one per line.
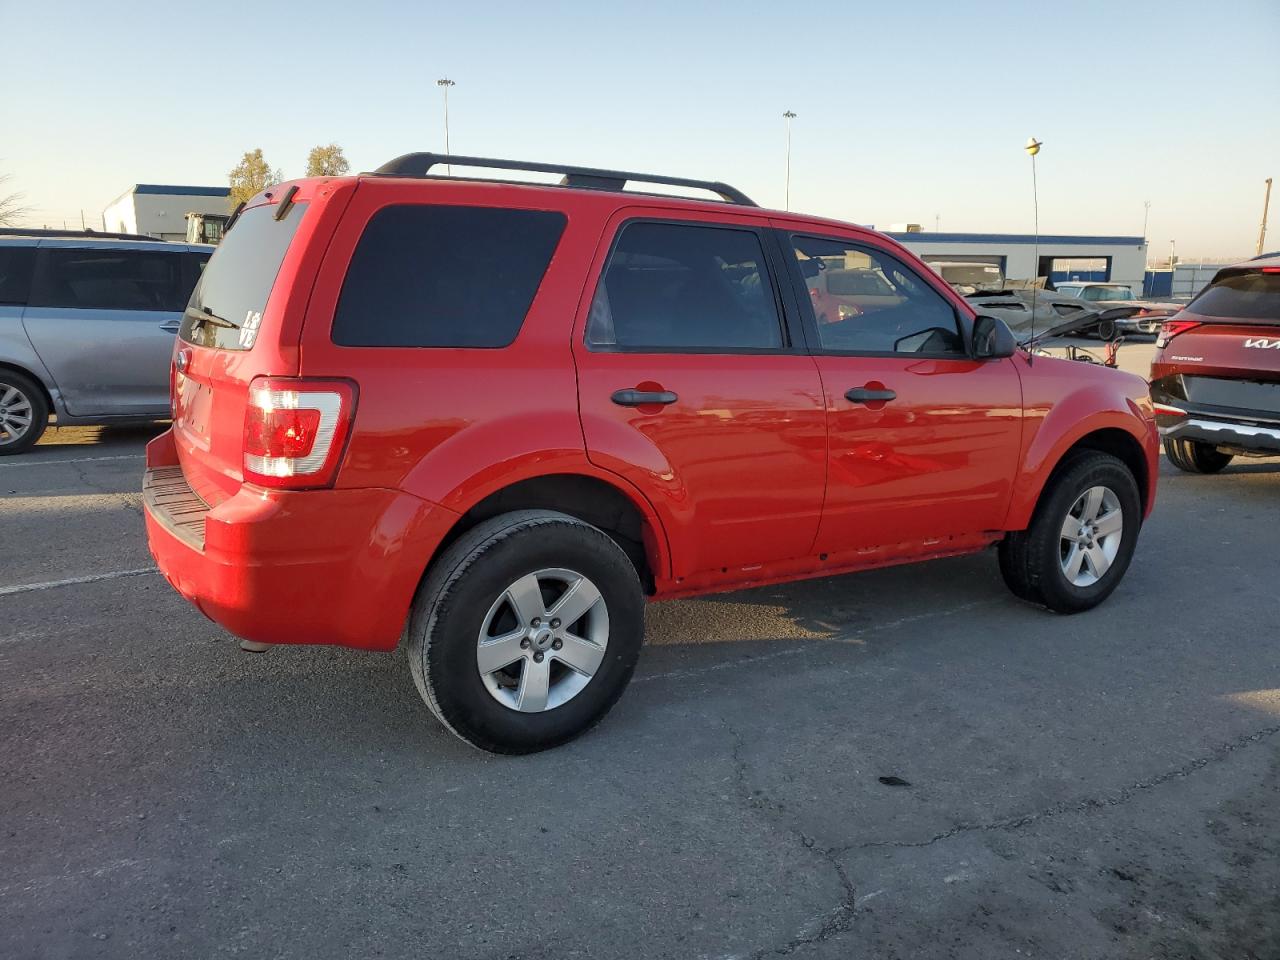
<point x="328" y="161"/>
<point x="12" y="209"/>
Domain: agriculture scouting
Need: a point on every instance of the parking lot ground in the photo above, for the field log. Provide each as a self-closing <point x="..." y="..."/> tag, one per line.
<point x="905" y="763"/>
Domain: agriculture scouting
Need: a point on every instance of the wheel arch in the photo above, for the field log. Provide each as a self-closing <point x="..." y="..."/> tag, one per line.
<point x="1113" y="439"/>
<point x="612" y="506"/>
<point x="34" y="378"/>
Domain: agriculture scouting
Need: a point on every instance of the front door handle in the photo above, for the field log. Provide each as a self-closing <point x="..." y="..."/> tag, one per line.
<point x="171" y="326"/>
<point x="868" y="395"/>
<point x="642" y="398"/>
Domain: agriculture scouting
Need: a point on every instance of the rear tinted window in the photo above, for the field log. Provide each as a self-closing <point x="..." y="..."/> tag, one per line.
<point x="98" y="278"/>
<point x="1244" y="296"/>
<point x="438" y="276"/>
<point x="15" y="274"/>
<point x="237" y="281"/>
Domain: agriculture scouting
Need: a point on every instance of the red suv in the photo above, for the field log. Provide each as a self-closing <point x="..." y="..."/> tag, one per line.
<point x="1215" y="377"/>
<point x="486" y="420"/>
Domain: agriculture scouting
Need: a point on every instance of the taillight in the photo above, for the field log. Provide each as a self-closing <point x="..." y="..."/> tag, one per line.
<point x="1171" y="328"/>
<point x="295" y="431"/>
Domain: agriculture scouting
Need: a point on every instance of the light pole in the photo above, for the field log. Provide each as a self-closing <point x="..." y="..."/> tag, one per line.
<point x="444" y="83"/>
<point x="1266" y="205"/>
<point x="1033" y="147"/>
<point x="789" y="115"/>
<point x="1146" y="215"/>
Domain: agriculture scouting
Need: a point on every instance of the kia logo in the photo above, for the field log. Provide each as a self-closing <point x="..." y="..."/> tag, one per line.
<point x="1262" y="343"/>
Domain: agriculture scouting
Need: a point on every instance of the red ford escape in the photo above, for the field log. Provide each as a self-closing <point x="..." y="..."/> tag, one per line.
<point x="1215" y="377"/>
<point x="485" y="420"/>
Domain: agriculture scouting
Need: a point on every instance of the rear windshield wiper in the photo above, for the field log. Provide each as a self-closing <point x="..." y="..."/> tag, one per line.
<point x="204" y="316"/>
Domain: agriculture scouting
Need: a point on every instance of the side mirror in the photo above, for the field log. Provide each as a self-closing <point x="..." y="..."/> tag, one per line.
<point x="992" y="339"/>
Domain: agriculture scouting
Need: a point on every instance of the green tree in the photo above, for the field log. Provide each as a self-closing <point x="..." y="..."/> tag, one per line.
<point x="327" y="161"/>
<point x="251" y="176"/>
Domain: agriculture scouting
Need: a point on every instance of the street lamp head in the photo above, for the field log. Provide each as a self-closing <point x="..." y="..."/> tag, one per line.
<point x="444" y="82"/>
<point x="1033" y="146"/>
<point x="790" y="115"/>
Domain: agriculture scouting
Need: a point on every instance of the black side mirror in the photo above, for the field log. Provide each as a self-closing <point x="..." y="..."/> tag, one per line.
<point x="992" y="339"/>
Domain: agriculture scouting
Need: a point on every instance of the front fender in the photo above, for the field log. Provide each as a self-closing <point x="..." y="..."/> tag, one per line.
<point x="1066" y="404"/>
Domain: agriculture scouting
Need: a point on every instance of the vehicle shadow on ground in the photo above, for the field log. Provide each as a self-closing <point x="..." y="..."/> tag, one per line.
<point x="87" y="441"/>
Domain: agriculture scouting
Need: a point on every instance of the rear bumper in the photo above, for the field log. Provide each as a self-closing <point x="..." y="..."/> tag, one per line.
<point x="317" y="566"/>
<point x="1248" y="437"/>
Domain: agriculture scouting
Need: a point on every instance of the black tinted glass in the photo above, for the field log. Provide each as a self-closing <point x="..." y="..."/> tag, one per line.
<point x="1244" y="296"/>
<point x="15" y="274"/>
<point x="237" y="280"/>
<point x="864" y="301"/>
<point x="678" y="287"/>
<point x="438" y="276"/>
<point x="109" y="279"/>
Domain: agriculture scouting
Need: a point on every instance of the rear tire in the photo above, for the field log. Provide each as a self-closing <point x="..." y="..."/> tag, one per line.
<point x="1194" y="456"/>
<point x="24" y="412"/>
<point x="1081" y="538"/>
<point x="487" y="652"/>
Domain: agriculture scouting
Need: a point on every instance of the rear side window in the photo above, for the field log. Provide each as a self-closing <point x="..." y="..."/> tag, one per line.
<point x="1241" y="296"/>
<point x="15" y="274"/>
<point x="227" y="303"/>
<point x="77" y="278"/>
<point x="441" y="276"/>
<point x="670" y="287"/>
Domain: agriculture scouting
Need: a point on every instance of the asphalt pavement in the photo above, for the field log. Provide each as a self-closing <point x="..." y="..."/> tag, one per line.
<point x="907" y="763"/>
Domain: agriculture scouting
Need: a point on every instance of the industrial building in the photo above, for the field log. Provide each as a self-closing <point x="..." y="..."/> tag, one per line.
<point x="160" y="210"/>
<point x="1061" y="257"/>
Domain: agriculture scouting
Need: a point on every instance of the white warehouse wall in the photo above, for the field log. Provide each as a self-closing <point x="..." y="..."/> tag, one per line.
<point x="158" y="214"/>
<point x="1128" y="254"/>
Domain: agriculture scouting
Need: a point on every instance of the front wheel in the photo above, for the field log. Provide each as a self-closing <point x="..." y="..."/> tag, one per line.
<point x="526" y="631"/>
<point x="1081" y="538"/>
<point x="1194" y="456"/>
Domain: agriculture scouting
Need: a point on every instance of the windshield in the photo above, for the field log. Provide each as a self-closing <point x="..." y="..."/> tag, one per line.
<point x="1108" y="293"/>
<point x="227" y="303"/>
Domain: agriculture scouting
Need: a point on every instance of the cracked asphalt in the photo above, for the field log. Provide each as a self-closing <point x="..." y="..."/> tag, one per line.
<point x="907" y="763"/>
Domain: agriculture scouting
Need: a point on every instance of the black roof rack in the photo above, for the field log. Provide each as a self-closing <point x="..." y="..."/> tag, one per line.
<point x="87" y="232"/>
<point x="589" y="178"/>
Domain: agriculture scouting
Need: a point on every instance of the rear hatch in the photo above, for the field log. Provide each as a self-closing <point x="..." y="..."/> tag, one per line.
<point x="243" y="321"/>
<point x="1225" y="346"/>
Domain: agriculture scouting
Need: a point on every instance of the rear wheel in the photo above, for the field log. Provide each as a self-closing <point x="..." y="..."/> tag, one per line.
<point x="526" y="631"/>
<point x="1194" y="456"/>
<point x="24" y="412"/>
<point x="1081" y="539"/>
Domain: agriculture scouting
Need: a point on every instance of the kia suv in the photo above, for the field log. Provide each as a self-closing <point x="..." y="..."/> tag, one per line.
<point x="485" y="421"/>
<point x="87" y="328"/>
<point x="1215" y="377"/>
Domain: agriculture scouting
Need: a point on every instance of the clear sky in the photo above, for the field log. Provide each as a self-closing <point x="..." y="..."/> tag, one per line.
<point x="906" y="111"/>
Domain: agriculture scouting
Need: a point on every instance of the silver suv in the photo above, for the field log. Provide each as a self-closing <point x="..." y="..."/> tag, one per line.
<point x="86" y="329"/>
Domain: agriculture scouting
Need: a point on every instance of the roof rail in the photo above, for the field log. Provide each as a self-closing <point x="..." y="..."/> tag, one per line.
<point x="589" y="178"/>
<point x="88" y="232"/>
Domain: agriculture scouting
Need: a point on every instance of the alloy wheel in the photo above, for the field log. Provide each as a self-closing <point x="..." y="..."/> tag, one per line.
<point x="543" y="640"/>
<point x="1091" y="535"/>
<point x="15" y="414"/>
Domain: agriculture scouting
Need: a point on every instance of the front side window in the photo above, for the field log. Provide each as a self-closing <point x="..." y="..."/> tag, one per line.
<point x="103" y="278"/>
<point x="444" y="276"/>
<point x="678" y="286"/>
<point x="865" y="301"/>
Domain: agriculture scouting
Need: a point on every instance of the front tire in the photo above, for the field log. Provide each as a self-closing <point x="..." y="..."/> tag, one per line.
<point x="1194" y="456"/>
<point x="24" y="413"/>
<point x="1081" y="538"/>
<point x="526" y="631"/>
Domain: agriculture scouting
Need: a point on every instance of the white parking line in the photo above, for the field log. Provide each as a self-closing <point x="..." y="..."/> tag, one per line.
<point x="41" y="463"/>
<point x="113" y="575"/>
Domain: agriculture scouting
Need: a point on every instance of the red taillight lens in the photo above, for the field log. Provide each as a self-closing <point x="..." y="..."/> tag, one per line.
<point x="1171" y="328"/>
<point x="295" y="431"/>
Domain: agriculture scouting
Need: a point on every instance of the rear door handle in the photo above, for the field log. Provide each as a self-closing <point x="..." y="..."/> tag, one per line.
<point x="641" y="398"/>
<point x="171" y="326"/>
<point x="867" y="395"/>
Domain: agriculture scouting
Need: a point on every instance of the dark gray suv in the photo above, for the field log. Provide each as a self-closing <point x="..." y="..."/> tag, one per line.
<point x="86" y="329"/>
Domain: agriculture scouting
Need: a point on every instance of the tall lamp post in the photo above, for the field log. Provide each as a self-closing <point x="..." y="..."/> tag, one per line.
<point x="1033" y="147"/>
<point x="444" y="83"/>
<point x="789" y="116"/>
